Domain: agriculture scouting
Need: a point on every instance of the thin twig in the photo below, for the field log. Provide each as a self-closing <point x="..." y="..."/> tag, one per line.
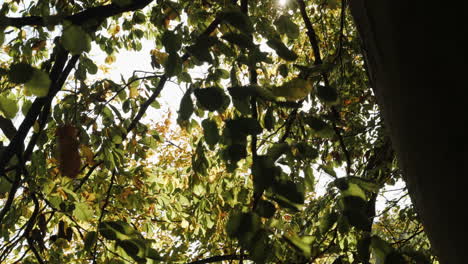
<point x="103" y="209"/>
<point x="318" y="60"/>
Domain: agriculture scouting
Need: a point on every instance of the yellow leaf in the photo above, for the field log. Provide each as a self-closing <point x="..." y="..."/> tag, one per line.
<point x="295" y="89"/>
<point x="110" y="59"/>
<point x="133" y="91"/>
<point x="88" y="154"/>
<point x="184" y="223"/>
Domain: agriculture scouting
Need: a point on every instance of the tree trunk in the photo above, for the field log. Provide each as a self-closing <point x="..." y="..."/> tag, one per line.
<point x="417" y="63"/>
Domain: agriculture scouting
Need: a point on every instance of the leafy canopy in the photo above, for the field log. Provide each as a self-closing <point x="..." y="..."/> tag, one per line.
<point x="277" y="152"/>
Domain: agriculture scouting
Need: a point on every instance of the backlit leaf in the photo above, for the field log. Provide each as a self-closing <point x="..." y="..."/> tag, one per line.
<point x="39" y="84"/>
<point x="284" y="25"/>
<point x="76" y="40"/>
<point x="8" y="107"/>
<point x="210" y="98"/>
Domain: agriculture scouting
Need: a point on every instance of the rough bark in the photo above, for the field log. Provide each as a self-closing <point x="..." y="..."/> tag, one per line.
<point x="417" y="64"/>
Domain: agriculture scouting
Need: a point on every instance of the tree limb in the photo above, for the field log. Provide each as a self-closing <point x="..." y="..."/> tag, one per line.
<point x="99" y="13"/>
<point x="11" y="196"/>
<point x="219" y="258"/>
<point x="318" y="60"/>
<point x="58" y="78"/>
<point x="7" y="127"/>
<point x="163" y="80"/>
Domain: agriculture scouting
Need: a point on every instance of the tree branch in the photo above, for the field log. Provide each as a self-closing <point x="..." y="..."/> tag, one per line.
<point x="58" y="78"/>
<point x="219" y="258"/>
<point x="29" y="227"/>
<point x="318" y="60"/>
<point x="11" y="195"/>
<point x="7" y="127"/>
<point x="162" y="82"/>
<point x="103" y="209"/>
<point x="99" y="13"/>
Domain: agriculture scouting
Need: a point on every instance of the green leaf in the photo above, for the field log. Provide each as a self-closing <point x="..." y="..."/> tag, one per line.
<point x="300" y="244"/>
<point x="39" y="84"/>
<point x="283" y="70"/>
<point x="380" y="248"/>
<point x="281" y="49"/>
<point x="240" y="40"/>
<point x="241" y="92"/>
<point x="395" y="258"/>
<point x="89" y="240"/>
<point x="265" y="209"/>
<point x="309" y="178"/>
<point x="210" y="131"/>
<point x="294" y="89"/>
<point x="186" y="106"/>
<point x="277" y="150"/>
<point x="236" y="152"/>
<point x="238" y="20"/>
<point x="284" y="25"/>
<point x="89" y="65"/>
<point x="354" y="208"/>
<point x="117" y="230"/>
<point x="135" y="248"/>
<point x="264" y="172"/>
<point x="5" y="185"/>
<point x="222" y="73"/>
<point x="20" y="73"/>
<point x="364" y="184"/>
<point x="138" y="18"/>
<point x="8" y="107"/>
<point x="83" y="212"/>
<point x="201" y="49"/>
<point x="348" y="188"/>
<point x="304" y="151"/>
<point x="122" y="3"/>
<point x="76" y="40"/>
<point x="315" y="123"/>
<point x="116" y="139"/>
<point x="243" y="226"/>
<point x="210" y="98"/>
<point x="327" y="94"/>
<point x="313" y="70"/>
<point x="238" y="129"/>
<point x="172" y="42"/>
<point x="327" y="221"/>
<point x="289" y="190"/>
<point x="269" y="119"/>
<point x="173" y="65"/>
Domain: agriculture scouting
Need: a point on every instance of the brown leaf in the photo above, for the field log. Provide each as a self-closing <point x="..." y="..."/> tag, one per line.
<point x="69" y="157"/>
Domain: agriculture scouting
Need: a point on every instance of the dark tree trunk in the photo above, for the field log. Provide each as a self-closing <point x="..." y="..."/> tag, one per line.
<point x="418" y="68"/>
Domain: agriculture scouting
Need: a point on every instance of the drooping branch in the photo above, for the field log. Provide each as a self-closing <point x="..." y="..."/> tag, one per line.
<point x="98" y="13"/>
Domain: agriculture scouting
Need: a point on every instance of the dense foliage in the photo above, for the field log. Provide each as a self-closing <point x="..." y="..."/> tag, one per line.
<point x="277" y="155"/>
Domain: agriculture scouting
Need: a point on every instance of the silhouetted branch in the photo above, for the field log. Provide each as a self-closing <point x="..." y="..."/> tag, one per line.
<point x="98" y="13"/>
<point x="219" y="258"/>
<point x="318" y="60"/>
<point x="7" y="127"/>
<point x="162" y="81"/>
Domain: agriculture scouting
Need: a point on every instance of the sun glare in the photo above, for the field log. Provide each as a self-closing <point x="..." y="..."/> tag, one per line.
<point x="282" y="2"/>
